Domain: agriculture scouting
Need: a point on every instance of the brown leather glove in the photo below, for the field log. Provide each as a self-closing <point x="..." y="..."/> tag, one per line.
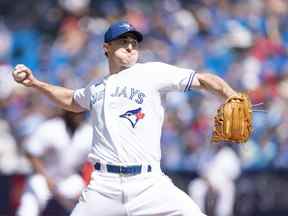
<point x="233" y="121"/>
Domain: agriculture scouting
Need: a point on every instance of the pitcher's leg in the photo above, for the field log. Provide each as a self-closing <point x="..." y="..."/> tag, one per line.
<point x="93" y="203"/>
<point x="162" y="198"/>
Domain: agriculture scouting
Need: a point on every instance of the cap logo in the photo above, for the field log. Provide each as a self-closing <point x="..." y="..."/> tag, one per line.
<point x="125" y="25"/>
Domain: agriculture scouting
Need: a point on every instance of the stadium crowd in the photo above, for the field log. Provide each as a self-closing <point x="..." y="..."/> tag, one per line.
<point x="243" y="41"/>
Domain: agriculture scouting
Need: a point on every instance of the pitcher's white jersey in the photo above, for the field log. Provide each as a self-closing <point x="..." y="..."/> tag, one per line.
<point x="127" y="112"/>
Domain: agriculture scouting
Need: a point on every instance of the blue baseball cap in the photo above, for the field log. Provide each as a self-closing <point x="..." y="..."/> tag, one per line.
<point x="119" y="28"/>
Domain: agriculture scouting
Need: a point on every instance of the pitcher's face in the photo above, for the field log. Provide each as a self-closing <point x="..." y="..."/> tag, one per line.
<point x="123" y="51"/>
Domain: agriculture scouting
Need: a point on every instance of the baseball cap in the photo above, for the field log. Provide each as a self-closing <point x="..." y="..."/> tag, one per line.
<point x="119" y="28"/>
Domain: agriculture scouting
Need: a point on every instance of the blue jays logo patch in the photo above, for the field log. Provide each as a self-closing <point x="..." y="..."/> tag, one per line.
<point x="133" y="116"/>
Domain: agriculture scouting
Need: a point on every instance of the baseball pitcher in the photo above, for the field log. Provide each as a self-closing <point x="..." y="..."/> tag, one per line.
<point x="127" y="116"/>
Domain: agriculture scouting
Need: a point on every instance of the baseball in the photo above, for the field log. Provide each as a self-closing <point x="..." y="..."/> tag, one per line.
<point x="21" y="76"/>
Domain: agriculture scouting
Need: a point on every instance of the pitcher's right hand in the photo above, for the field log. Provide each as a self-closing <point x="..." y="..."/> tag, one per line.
<point x="23" y="75"/>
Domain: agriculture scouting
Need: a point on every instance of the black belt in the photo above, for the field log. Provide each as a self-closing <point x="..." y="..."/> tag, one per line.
<point x="136" y="169"/>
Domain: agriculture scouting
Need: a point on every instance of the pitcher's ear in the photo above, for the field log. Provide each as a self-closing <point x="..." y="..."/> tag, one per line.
<point x="105" y="48"/>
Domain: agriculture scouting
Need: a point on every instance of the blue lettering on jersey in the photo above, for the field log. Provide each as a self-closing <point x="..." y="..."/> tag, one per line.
<point x="123" y="92"/>
<point x="133" y="116"/>
<point x="133" y="93"/>
<point x="98" y="96"/>
<point x="140" y="98"/>
<point x="116" y="93"/>
<point x="129" y="93"/>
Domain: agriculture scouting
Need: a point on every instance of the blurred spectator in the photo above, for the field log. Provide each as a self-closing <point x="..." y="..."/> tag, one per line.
<point x="11" y="159"/>
<point x="217" y="176"/>
<point x="56" y="150"/>
<point x="259" y="155"/>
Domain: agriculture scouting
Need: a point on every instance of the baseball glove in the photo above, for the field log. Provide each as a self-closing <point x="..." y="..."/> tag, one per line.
<point x="233" y="122"/>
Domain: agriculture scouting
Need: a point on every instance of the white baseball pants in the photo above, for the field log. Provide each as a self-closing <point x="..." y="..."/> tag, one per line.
<point x="150" y="193"/>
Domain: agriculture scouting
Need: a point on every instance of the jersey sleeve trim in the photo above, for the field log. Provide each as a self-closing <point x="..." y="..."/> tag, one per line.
<point x="190" y="81"/>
